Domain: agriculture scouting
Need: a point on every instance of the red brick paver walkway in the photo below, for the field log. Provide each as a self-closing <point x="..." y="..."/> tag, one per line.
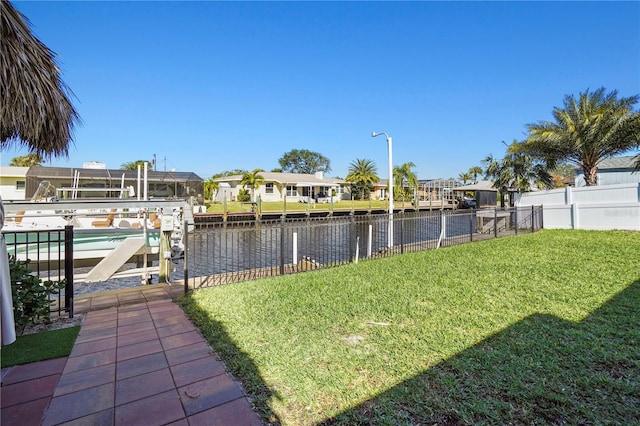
<point x="140" y="364"/>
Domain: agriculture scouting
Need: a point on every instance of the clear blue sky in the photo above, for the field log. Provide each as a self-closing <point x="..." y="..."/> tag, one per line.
<point x="214" y="86"/>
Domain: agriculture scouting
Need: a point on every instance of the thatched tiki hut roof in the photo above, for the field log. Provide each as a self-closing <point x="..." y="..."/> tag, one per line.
<point x="35" y="110"/>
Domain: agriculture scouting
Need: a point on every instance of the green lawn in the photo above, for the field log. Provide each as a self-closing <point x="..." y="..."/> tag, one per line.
<point x="535" y="329"/>
<point x="235" y="207"/>
<point x="39" y="346"/>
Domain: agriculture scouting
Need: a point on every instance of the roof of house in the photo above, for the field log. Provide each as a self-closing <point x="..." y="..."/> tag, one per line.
<point x="626" y="162"/>
<point x="483" y="185"/>
<point x="13" y="171"/>
<point x="288" y="178"/>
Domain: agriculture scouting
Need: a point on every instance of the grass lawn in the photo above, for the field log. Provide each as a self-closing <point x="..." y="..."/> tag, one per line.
<point x="235" y="206"/>
<point x="535" y="329"/>
<point x="39" y="346"/>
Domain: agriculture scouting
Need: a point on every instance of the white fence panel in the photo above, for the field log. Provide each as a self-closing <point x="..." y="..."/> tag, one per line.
<point x="556" y="217"/>
<point x="552" y="196"/>
<point x="610" y="216"/>
<point x="598" y="207"/>
<point x="623" y="193"/>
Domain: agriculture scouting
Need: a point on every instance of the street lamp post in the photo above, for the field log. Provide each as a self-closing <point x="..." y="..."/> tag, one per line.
<point x="390" y="188"/>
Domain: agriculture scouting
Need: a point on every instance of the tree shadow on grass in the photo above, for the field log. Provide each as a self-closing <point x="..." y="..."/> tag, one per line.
<point x="541" y="370"/>
<point x="238" y="363"/>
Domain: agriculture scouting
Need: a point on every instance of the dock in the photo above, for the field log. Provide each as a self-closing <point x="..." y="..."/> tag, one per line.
<point x="316" y="212"/>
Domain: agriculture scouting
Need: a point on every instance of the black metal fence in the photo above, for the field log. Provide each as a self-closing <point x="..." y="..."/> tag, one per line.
<point x="50" y="255"/>
<point x="219" y="253"/>
<point x="226" y="252"/>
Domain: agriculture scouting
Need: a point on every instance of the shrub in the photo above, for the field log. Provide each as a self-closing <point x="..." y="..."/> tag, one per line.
<point x="244" y="195"/>
<point x="30" y="294"/>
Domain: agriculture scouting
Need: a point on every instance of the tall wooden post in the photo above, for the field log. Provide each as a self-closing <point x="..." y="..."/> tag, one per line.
<point x="166" y="228"/>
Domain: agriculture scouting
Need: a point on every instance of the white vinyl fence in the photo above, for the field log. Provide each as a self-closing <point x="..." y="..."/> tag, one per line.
<point x="595" y="207"/>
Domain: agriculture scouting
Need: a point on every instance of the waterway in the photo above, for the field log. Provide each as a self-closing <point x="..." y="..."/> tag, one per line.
<point x="223" y="249"/>
<point x="218" y="248"/>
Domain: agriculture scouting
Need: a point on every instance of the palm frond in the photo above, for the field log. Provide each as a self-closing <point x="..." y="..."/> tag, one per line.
<point x="593" y="126"/>
<point x="35" y="110"/>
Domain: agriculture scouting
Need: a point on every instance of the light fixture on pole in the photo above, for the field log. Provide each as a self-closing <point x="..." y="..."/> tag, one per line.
<point x="390" y="188"/>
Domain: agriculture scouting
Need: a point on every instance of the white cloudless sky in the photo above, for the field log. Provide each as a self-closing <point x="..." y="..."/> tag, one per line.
<point x="213" y="86"/>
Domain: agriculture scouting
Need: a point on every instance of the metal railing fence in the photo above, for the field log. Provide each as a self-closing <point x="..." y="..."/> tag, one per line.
<point x="234" y="251"/>
<point x="226" y="252"/>
<point x="50" y="255"/>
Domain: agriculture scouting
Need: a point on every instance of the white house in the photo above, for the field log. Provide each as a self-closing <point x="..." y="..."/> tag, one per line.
<point x="612" y="171"/>
<point x="294" y="187"/>
<point x="379" y="191"/>
<point x="13" y="182"/>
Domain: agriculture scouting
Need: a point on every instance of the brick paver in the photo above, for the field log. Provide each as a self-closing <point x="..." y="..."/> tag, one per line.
<point x="135" y="364"/>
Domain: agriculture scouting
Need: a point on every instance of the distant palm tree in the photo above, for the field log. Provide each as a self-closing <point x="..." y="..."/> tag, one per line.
<point x="27" y="160"/>
<point x="501" y="176"/>
<point x="465" y="177"/>
<point x="36" y="111"/>
<point x="475" y="171"/>
<point x="401" y="174"/>
<point x="253" y="180"/>
<point x="517" y="171"/>
<point x="588" y="129"/>
<point x="211" y="187"/>
<point x="362" y="175"/>
<point x="133" y="165"/>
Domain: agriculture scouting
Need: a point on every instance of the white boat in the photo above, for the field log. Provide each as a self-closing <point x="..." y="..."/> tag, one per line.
<point x="100" y="227"/>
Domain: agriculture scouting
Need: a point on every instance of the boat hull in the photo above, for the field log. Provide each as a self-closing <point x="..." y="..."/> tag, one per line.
<point x="87" y="243"/>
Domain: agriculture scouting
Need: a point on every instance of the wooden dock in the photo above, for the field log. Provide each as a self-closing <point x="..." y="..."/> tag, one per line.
<point x="315" y="213"/>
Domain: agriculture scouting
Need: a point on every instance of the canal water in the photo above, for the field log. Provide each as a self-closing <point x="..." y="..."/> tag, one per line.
<point x="328" y="241"/>
<point x="233" y="247"/>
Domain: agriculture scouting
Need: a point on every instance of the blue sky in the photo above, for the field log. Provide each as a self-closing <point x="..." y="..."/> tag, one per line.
<point x="214" y="86"/>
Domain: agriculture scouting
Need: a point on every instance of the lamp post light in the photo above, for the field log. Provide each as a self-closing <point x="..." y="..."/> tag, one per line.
<point x="390" y="188"/>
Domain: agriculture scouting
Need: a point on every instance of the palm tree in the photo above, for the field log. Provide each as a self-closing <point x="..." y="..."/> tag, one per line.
<point x="362" y="176"/>
<point x="36" y="111"/>
<point x="464" y="177"/>
<point x="133" y="165"/>
<point x="493" y="171"/>
<point x="593" y="127"/>
<point x="526" y="171"/>
<point x="516" y="171"/>
<point x="253" y="180"/>
<point x="401" y="174"/>
<point x="475" y="171"/>
<point x="27" y="160"/>
<point x="211" y="187"/>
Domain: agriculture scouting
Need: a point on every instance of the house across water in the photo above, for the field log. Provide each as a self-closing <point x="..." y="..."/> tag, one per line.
<point x="294" y="187"/>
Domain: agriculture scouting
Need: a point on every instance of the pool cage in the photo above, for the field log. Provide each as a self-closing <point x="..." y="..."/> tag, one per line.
<point x="108" y="183"/>
<point x="437" y="189"/>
